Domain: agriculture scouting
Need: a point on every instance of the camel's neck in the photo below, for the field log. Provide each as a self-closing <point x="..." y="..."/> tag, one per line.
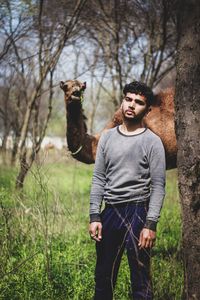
<point x="76" y="126"/>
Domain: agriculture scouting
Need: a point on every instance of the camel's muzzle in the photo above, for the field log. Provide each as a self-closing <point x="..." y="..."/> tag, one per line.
<point x="77" y="93"/>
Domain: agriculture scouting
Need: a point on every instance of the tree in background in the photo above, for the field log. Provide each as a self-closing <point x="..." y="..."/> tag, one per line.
<point x="35" y="57"/>
<point x="188" y="138"/>
<point x="133" y="40"/>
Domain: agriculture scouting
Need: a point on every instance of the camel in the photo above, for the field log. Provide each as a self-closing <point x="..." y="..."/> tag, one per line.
<point x="83" y="146"/>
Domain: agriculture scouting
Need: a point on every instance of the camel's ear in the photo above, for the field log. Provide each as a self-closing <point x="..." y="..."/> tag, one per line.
<point x="62" y="85"/>
<point x="84" y="86"/>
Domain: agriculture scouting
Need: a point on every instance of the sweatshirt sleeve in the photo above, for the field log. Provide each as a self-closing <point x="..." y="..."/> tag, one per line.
<point x="157" y="166"/>
<point x="98" y="182"/>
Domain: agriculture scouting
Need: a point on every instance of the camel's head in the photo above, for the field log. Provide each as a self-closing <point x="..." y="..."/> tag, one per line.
<point x="73" y="90"/>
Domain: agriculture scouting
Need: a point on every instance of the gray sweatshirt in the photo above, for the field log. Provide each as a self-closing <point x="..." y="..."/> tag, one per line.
<point x="129" y="168"/>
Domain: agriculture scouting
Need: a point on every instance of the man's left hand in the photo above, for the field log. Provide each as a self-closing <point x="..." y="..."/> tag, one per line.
<point x="147" y="238"/>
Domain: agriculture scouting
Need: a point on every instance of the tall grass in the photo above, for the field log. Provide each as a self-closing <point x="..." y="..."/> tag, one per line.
<point x="46" y="252"/>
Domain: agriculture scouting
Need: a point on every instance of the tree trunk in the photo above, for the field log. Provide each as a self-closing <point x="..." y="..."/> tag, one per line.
<point x="187" y="105"/>
<point x="16" y="141"/>
<point x="24" y="168"/>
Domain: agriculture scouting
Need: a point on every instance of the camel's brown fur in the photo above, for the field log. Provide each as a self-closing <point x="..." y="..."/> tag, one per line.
<point x="160" y="120"/>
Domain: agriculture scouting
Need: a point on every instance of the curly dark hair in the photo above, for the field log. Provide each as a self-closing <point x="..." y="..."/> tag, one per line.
<point x="140" y="88"/>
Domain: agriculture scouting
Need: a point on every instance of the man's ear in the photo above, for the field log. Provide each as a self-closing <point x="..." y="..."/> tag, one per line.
<point x="148" y="110"/>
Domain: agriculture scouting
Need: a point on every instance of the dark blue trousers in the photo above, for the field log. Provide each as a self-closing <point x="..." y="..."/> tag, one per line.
<point x="122" y="225"/>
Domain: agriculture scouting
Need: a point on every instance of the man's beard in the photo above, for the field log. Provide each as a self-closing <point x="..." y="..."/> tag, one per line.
<point x="132" y="119"/>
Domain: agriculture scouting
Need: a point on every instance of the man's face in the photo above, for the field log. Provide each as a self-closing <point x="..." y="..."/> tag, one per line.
<point x="134" y="107"/>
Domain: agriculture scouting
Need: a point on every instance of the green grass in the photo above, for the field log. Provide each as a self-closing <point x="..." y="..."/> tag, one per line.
<point x="46" y="252"/>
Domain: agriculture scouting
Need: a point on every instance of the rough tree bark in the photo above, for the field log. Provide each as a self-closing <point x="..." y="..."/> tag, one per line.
<point x="188" y="138"/>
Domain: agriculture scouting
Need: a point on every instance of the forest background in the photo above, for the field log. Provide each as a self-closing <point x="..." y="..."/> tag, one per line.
<point x="44" y="194"/>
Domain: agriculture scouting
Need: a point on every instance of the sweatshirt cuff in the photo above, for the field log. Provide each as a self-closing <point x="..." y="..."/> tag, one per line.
<point x="95" y="218"/>
<point x="150" y="225"/>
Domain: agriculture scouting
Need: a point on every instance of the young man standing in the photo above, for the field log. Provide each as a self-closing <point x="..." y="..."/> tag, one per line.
<point x="129" y="175"/>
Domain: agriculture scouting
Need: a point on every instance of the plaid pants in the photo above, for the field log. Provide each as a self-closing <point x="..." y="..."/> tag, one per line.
<point x="122" y="225"/>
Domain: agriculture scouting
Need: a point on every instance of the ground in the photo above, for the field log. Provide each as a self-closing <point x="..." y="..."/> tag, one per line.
<point x="47" y="252"/>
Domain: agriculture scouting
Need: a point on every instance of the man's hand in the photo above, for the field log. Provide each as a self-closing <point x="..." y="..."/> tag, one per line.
<point x="147" y="238"/>
<point x="95" y="231"/>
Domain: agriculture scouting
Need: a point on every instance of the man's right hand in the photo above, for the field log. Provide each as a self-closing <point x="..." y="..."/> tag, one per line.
<point x="95" y="231"/>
